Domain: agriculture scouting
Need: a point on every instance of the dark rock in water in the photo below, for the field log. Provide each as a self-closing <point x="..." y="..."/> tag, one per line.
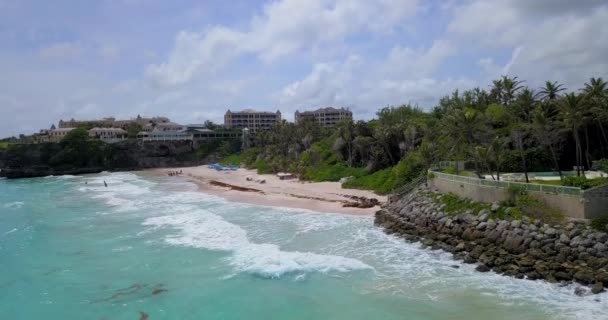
<point x="580" y="291"/>
<point x="455" y="266"/>
<point x="143" y="315"/>
<point x="482" y="268"/>
<point x="598" y="287"/>
<point x="584" y="277"/>
<point x="470" y="260"/>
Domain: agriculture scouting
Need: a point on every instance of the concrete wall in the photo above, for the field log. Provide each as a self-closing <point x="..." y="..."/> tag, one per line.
<point x="596" y="202"/>
<point x="573" y="206"/>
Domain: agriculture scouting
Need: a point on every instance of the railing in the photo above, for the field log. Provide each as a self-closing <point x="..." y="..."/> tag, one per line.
<point x="570" y="191"/>
<point x="406" y="188"/>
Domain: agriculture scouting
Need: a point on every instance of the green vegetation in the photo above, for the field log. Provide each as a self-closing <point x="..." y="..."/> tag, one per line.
<point x="520" y="204"/>
<point x="3" y="145"/>
<point x="584" y="183"/>
<point x="508" y="128"/>
<point x="331" y="172"/>
<point x="602" y="165"/>
<point x="78" y="151"/>
<point x="385" y="180"/>
<point x="235" y="159"/>
<point x="133" y="129"/>
<point x="600" y="223"/>
<point x="454" y="204"/>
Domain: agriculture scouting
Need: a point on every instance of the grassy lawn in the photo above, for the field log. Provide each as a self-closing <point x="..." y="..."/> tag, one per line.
<point x="3" y="145"/>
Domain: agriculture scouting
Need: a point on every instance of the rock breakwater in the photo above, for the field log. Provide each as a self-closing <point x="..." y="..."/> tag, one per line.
<point x="526" y="248"/>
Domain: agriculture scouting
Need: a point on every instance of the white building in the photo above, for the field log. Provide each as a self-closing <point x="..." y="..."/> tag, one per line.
<point x="108" y="135"/>
<point x="163" y="126"/>
<point x="56" y="135"/>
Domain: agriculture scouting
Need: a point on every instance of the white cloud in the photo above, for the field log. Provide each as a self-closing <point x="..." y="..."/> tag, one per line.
<point x="62" y="50"/>
<point x="284" y="27"/>
<point x="405" y="75"/>
<point x="417" y="62"/>
<point x="326" y="84"/>
<point x="560" y="40"/>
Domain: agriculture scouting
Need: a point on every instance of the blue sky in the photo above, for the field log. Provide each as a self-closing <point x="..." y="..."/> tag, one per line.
<point x="192" y="60"/>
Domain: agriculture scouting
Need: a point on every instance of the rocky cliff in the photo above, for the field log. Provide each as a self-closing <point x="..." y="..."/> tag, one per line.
<point x="37" y="160"/>
<point x="523" y="248"/>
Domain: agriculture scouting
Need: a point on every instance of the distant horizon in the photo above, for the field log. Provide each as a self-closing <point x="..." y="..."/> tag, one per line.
<point x="188" y="60"/>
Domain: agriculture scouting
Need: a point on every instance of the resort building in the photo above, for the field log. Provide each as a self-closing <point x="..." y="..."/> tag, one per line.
<point x="251" y="119"/>
<point x="139" y="120"/>
<point x="192" y="133"/>
<point x="111" y="122"/>
<point x="163" y="126"/>
<point x="327" y="117"/>
<point x="108" y="135"/>
<point x="201" y="133"/>
<point x="56" y="135"/>
<point x="105" y="122"/>
<point x="164" y="135"/>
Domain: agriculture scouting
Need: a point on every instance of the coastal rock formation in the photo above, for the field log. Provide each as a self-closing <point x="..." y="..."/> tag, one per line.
<point x="36" y="160"/>
<point x="519" y="248"/>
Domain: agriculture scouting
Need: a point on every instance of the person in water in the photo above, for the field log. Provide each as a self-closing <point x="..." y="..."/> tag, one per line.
<point x="105" y="184"/>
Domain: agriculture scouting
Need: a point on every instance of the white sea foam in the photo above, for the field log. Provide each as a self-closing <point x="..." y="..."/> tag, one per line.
<point x="400" y="264"/>
<point x="202" y="229"/>
<point x="13" y="205"/>
<point x="340" y="244"/>
<point x="11" y="231"/>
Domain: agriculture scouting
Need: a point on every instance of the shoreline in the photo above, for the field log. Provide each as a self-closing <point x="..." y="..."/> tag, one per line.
<point x="241" y="186"/>
<point x="525" y="249"/>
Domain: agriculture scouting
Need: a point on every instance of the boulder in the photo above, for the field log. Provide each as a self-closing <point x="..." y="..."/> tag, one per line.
<point x="495" y="206"/>
<point x="460" y="246"/>
<point x="512" y="243"/>
<point x="584" y="277"/>
<point x="482" y="268"/>
<point x="580" y="291"/>
<point x="598" y="287"/>
<point x="515" y="223"/>
<point x="550" y="231"/>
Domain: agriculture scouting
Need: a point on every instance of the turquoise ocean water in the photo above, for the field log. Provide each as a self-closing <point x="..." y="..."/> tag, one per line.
<point x="70" y="250"/>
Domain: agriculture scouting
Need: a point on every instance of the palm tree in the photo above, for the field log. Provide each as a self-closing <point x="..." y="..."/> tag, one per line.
<point x="551" y="91"/>
<point x="524" y="105"/>
<point x="482" y="156"/>
<point x="346" y="132"/>
<point x="573" y="116"/>
<point x="518" y="137"/>
<point x="497" y="149"/>
<point x="510" y="87"/>
<point x="547" y="135"/>
<point x="505" y="89"/>
<point x="464" y="128"/>
<point x="596" y="92"/>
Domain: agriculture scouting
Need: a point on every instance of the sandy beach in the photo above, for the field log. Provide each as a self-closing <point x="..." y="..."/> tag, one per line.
<point x="317" y="196"/>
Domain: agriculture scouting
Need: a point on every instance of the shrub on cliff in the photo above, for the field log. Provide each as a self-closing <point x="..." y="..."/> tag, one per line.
<point x="77" y="150"/>
<point x="584" y="183"/>
<point x="600" y="223"/>
<point x="389" y="179"/>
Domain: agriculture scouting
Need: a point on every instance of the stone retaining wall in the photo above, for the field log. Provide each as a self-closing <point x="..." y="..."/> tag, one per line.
<point x="519" y="248"/>
<point x="574" y="206"/>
